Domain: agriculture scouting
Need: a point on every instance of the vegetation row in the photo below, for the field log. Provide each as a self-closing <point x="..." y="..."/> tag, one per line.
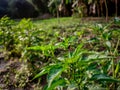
<point x="64" y="53"/>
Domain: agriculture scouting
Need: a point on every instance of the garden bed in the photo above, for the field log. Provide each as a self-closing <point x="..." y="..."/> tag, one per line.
<point x="67" y="53"/>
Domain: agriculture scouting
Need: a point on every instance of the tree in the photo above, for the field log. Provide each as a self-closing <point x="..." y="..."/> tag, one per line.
<point x="106" y="8"/>
<point x="116" y="8"/>
<point x="41" y="5"/>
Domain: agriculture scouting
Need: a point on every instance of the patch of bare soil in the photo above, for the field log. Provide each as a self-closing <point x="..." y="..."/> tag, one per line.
<point x="96" y="19"/>
<point x="43" y="16"/>
<point x="8" y="71"/>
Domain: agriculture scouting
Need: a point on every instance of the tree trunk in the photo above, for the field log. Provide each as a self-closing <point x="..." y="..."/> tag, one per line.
<point x="106" y="7"/>
<point x="116" y="12"/>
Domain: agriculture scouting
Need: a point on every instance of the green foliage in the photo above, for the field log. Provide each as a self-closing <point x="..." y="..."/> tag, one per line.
<point x="6" y="34"/>
<point x="117" y="20"/>
<point x="72" y="55"/>
<point x="101" y="77"/>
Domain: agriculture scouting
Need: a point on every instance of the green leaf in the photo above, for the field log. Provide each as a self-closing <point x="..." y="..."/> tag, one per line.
<point x="44" y="71"/>
<point x="54" y="73"/>
<point x="78" y="50"/>
<point x="56" y="83"/>
<point x="117" y="20"/>
<point x="102" y="77"/>
<point x="108" y="43"/>
<point x="42" y="48"/>
<point x="72" y="59"/>
<point x="117" y="69"/>
<point x="36" y="48"/>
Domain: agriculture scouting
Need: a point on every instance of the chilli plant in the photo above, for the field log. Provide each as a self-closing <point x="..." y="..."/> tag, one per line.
<point x="77" y="69"/>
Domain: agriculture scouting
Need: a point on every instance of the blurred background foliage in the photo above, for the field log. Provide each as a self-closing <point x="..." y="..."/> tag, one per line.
<point x="37" y="8"/>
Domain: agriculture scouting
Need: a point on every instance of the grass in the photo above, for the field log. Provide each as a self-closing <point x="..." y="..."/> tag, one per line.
<point x="72" y="54"/>
<point x="49" y="23"/>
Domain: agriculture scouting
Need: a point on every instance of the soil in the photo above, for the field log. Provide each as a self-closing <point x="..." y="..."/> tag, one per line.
<point x="8" y="70"/>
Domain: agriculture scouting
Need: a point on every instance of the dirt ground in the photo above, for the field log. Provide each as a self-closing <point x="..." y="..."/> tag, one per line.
<point x="8" y="69"/>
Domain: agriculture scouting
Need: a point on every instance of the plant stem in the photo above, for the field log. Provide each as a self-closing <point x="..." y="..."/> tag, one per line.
<point x="113" y="63"/>
<point x="116" y="46"/>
